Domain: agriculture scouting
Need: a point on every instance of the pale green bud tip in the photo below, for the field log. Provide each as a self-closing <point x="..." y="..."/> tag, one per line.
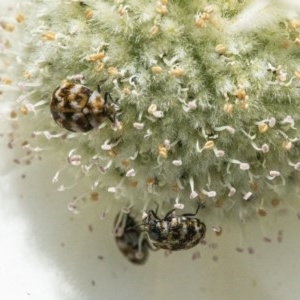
<point x="207" y="111"/>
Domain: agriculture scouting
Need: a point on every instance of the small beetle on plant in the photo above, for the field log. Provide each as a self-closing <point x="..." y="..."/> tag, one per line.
<point x="76" y="108"/>
<point x="174" y="232"/>
<point x="130" y="240"/>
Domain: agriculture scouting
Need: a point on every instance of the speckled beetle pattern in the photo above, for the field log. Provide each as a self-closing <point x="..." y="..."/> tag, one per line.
<point x="76" y="108"/>
<point x="174" y="232"/>
<point x="131" y="242"/>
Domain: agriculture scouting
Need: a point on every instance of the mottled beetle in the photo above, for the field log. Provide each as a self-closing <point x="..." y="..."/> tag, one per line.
<point x="130" y="240"/>
<point x="77" y="108"/>
<point x="174" y="232"/>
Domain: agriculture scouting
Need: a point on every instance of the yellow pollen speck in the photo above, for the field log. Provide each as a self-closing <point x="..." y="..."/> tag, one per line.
<point x="297" y="74"/>
<point x="240" y="94"/>
<point x="48" y="36"/>
<point x="295" y="24"/>
<point x="154" y="30"/>
<point x="99" y="67"/>
<point x="150" y="181"/>
<point x="95" y="56"/>
<point x="262" y="128"/>
<point x="220" y="49"/>
<point x="162" y="151"/>
<point x="24" y="110"/>
<point x="6" y="81"/>
<point x="297" y="41"/>
<point x="205" y="16"/>
<point x="176" y="72"/>
<point x="156" y="69"/>
<point x="7" y="26"/>
<point x="200" y="22"/>
<point x="164" y="2"/>
<point x="162" y="9"/>
<point x="228" y="108"/>
<point x="287" y="145"/>
<point x="244" y="105"/>
<point x="26" y="75"/>
<point x="126" y="90"/>
<point x="88" y="13"/>
<point x="19" y="18"/>
<point x="113" y="71"/>
<point x="122" y="10"/>
<point x="112" y="152"/>
<point x="209" y="145"/>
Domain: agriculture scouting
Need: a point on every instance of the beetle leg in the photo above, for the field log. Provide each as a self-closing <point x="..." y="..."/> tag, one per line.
<point x="108" y="98"/>
<point x="169" y="213"/>
<point x="140" y="245"/>
<point x="194" y="214"/>
<point x="154" y="215"/>
<point x="150" y="243"/>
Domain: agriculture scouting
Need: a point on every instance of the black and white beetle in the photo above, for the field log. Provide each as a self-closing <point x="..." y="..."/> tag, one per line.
<point x="130" y="240"/>
<point x="79" y="109"/>
<point x="174" y="232"/>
